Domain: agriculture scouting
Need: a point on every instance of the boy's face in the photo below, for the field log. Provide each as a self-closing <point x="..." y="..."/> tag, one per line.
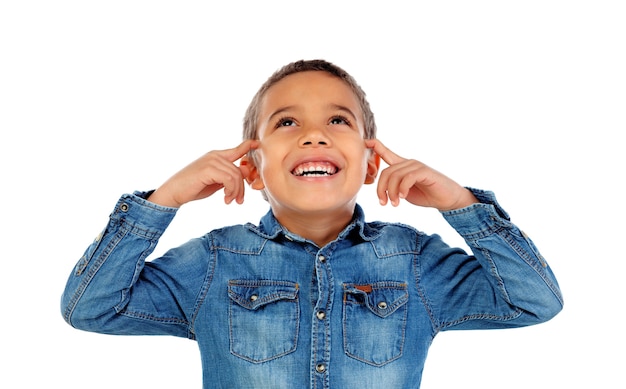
<point x="312" y="155"/>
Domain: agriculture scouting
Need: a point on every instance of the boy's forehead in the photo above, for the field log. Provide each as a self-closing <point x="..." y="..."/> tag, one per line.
<point x="308" y="86"/>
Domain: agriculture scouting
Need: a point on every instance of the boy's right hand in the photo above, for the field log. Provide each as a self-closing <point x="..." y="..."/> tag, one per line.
<point x="208" y="174"/>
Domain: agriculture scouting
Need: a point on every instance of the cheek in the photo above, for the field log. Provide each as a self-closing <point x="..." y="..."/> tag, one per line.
<point x="364" y="155"/>
<point x="265" y="164"/>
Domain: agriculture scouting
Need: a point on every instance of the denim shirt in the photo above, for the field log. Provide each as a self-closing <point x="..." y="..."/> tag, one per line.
<point x="270" y="309"/>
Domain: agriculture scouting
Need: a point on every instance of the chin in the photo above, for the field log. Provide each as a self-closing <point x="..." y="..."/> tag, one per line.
<point x="321" y="206"/>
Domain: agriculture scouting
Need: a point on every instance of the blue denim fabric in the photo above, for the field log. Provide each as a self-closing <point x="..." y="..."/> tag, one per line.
<point x="270" y="309"/>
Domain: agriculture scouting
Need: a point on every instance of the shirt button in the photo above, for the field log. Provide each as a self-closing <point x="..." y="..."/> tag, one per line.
<point x="124" y="207"/>
<point x="382" y="305"/>
<point x="322" y="258"/>
<point x="321" y="315"/>
<point x="320" y="368"/>
<point x="254" y="297"/>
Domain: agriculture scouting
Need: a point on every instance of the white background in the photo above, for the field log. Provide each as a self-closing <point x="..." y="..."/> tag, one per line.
<point x="524" y="98"/>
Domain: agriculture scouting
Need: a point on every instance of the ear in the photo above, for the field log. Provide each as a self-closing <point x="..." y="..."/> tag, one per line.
<point x="250" y="173"/>
<point x="373" y="164"/>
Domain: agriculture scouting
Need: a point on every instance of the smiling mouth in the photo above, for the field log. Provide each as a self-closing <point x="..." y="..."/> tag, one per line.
<point x="315" y="169"/>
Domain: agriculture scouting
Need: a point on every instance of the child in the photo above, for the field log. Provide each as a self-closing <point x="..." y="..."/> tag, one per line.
<point x="312" y="296"/>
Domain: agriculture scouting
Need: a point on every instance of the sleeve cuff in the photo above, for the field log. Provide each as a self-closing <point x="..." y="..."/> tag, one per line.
<point x="148" y="218"/>
<point x="480" y="219"/>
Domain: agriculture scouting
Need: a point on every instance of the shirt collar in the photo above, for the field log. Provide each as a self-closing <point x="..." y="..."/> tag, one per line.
<point x="270" y="228"/>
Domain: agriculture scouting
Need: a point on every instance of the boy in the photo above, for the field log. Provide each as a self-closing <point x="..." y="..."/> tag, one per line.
<point x="313" y="296"/>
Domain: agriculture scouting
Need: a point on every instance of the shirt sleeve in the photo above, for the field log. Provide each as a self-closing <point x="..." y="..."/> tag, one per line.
<point x="506" y="282"/>
<point x="112" y="289"/>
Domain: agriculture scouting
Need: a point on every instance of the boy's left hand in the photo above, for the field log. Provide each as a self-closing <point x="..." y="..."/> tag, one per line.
<point x="417" y="183"/>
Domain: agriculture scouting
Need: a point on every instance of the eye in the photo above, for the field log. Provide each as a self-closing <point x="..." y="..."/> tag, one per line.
<point x="285" y="122"/>
<point x="339" y="120"/>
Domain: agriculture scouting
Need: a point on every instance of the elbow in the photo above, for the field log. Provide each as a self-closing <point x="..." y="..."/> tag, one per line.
<point x="552" y="310"/>
<point x="547" y="310"/>
<point x="66" y="309"/>
<point x="71" y="315"/>
<point x="541" y="301"/>
<point x="82" y="315"/>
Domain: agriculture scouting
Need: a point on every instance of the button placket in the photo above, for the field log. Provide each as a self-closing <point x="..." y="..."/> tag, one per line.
<point x="320" y="354"/>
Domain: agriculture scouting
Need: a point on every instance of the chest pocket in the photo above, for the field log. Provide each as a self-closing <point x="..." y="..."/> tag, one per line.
<point x="264" y="319"/>
<point x="374" y="321"/>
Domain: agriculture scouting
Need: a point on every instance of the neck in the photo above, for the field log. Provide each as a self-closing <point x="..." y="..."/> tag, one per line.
<point x="319" y="227"/>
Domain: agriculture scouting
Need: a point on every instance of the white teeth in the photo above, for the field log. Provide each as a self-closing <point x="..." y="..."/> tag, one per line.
<point x="315" y="170"/>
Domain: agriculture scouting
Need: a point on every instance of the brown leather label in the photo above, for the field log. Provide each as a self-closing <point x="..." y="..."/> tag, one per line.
<point x="364" y="288"/>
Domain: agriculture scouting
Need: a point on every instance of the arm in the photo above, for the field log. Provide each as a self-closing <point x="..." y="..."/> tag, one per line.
<point x="112" y="289"/>
<point x="112" y="274"/>
<point x="506" y="283"/>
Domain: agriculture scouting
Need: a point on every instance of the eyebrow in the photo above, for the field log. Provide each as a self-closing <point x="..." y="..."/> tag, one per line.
<point x="279" y="111"/>
<point x="344" y="109"/>
<point x="332" y="106"/>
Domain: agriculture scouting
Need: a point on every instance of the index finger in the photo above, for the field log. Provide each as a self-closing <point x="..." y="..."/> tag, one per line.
<point x="387" y="155"/>
<point x="237" y="152"/>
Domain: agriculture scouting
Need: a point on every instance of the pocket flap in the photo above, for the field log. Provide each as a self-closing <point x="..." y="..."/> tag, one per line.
<point x="252" y="294"/>
<point x="382" y="298"/>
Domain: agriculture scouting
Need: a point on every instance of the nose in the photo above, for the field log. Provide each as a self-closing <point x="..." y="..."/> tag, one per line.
<point x="314" y="137"/>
